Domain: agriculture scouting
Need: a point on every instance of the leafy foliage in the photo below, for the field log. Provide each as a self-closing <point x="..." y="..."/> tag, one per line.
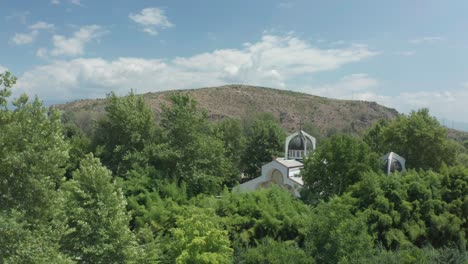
<point x="197" y="238"/>
<point x="272" y="251"/>
<point x="127" y="128"/>
<point x="264" y="142"/>
<point x="418" y="208"/>
<point x="22" y="242"/>
<point x="198" y="157"/>
<point x="59" y="204"/>
<point x="273" y="213"/>
<point x="419" y="138"/>
<point x="96" y="216"/>
<point x="33" y="157"/>
<point x="338" y="163"/>
<point x="230" y="132"/>
<point x="336" y="234"/>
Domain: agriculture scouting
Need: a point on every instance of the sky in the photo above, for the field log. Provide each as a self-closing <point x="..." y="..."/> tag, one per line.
<point x="403" y="54"/>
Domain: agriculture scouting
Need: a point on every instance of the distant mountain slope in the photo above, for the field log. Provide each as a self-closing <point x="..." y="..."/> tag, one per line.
<point x="241" y="101"/>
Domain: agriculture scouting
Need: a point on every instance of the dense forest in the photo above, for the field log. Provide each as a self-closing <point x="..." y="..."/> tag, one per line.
<point x="140" y="191"/>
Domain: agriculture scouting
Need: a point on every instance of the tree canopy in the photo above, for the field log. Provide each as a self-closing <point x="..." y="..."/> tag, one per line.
<point x="338" y="163"/>
<point x="265" y="140"/>
<point x="418" y="137"/>
<point x="142" y="190"/>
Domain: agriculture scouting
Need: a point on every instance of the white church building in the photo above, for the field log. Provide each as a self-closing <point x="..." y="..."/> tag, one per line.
<point x="284" y="172"/>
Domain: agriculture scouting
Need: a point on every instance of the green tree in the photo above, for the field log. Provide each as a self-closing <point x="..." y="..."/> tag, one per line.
<point x="33" y="157"/>
<point x="22" y="242"/>
<point x="230" y="131"/>
<point x="194" y="154"/>
<point x="96" y="216"/>
<point x="271" y="251"/>
<point x="128" y="127"/>
<point x="199" y="238"/>
<point x="7" y="80"/>
<point x="80" y="145"/>
<point x="417" y="208"/>
<point x="338" y="163"/>
<point x="374" y="137"/>
<point x="415" y="255"/>
<point x="264" y="142"/>
<point x="336" y="234"/>
<point x="418" y="137"/>
<point x="273" y="212"/>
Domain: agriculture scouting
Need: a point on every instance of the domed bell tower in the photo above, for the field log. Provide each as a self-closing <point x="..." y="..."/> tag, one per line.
<point x="298" y="146"/>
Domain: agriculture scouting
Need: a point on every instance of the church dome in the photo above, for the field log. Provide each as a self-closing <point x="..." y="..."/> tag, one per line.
<point x="394" y="166"/>
<point x="392" y="162"/>
<point x="299" y="142"/>
<point x="299" y="145"/>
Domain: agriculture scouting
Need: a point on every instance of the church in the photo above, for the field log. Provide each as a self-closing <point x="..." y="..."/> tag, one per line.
<point x="285" y="172"/>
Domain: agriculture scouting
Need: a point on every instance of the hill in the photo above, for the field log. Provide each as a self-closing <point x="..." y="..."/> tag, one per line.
<point x="293" y="109"/>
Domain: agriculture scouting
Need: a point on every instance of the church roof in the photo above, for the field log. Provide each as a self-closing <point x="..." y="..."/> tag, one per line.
<point x="298" y="142"/>
<point x="289" y="163"/>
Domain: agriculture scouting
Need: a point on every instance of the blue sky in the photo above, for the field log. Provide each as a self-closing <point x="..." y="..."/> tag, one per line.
<point x="402" y="54"/>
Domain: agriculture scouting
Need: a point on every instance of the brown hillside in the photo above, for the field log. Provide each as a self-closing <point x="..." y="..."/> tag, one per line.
<point x="240" y="101"/>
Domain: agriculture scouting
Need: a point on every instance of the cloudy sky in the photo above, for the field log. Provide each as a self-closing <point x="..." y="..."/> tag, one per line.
<point x="402" y="54"/>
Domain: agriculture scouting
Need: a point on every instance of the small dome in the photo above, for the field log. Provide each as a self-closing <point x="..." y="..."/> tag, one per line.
<point x="392" y="162"/>
<point x="297" y="143"/>
<point x="394" y="166"/>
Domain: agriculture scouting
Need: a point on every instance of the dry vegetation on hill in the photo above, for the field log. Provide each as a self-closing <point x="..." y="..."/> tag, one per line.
<point x="241" y="101"/>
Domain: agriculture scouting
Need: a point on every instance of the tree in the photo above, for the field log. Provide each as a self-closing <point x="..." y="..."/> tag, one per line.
<point x="128" y="127"/>
<point x="271" y="251"/>
<point x="230" y="131"/>
<point x="7" y="81"/>
<point x="415" y="209"/>
<point x="418" y="137"/>
<point x="199" y="238"/>
<point x="336" y="234"/>
<point x="264" y="142"/>
<point x="79" y="143"/>
<point x="96" y="216"/>
<point x="22" y="242"/>
<point x="33" y="155"/>
<point x="273" y="212"/>
<point x="338" y="163"/>
<point x="197" y="157"/>
<point x="374" y="137"/>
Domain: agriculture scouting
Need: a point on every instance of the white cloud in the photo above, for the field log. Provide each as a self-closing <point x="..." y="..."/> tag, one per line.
<point x="150" y="31"/>
<point x="426" y="40"/>
<point x="24" y="38"/>
<point x="76" y="2"/>
<point x="449" y="103"/>
<point x="443" y="104"/>
<point x="285" y="5"/>
<point x="74" y="45"/>
<point x="41" y="25"/>
<point x="353" y="86"/>
<point x="55" y="2"/>
<point x="272" y="61"/>
<point x="30" y="37"/>
<point x="151" y="19"/>
<point x="3" y="69"/>
<point x="41" y="53"/>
